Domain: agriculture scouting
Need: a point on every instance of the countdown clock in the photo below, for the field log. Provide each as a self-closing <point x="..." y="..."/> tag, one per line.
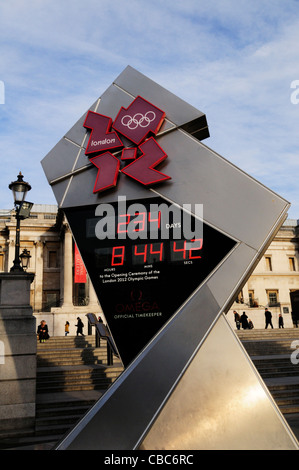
<point x="164" y="294"/>
<point x="145" y="268"/>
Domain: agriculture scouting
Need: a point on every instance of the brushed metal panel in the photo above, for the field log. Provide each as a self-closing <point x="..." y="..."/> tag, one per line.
<point x="227" y="281"/>
<point x="77" y="132"/>
<point x="177" y="110"/>
<point x="220" y="404"/>
<point x="112" y="100"/>
<point x="82" y="160"/>
<point x="125" y="412"/>
<point x="60" y="159"/>
<point x="232" y="201"/>
<point x="80" y="190"/>
<point x="59" y="189"/>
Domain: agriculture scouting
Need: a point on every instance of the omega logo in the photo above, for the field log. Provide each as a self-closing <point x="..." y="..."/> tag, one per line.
<point x="137" y="304"/>
<point x="136" y="307"/>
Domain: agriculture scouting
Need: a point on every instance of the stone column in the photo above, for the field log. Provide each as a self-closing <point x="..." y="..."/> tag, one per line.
<point x="39" y="269"/>
<point x="93" y="300"/>
<point x="11" y="253"/>
<point x="68" y="269"/>
<point x="18" y="354"/>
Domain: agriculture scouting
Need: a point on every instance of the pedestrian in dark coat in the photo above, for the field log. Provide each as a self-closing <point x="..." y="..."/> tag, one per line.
<point x="268" y="318"/>
<point x="42" y="332"/>
<point x="79" y="326"/>
<point x="237" y="319"/>
<point x="244" y="321"/>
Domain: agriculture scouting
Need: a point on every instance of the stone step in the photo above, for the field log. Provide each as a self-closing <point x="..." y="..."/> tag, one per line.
<point x="282" y="396"/>
<point x="45" y="413"/>
<point x="72" y="373"/>
<point x="275" y="366"/>
<point x="270" y="351"/>
<point x="68" y="366"/>
<point x="268" y="333"/>
<point x="266" y="375"/>
<point x="68" y="342"/>
<point x="57" y="413"/>
<point x="100" y="384"/>
<point x="71" y="351"/>
<point x="78" y="379"/>
<point x="74" y="359"/>
<point x="289" y="409"/>
<point x="64" y="350"/>
<point x="261" y="365"/>
<point x="30" y="441"/>
<point x="268" y="348"/>
<point x="46" y="373"/>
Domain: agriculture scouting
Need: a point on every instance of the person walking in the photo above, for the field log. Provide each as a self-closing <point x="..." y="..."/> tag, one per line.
<point x="66" y="328"/>
<point x="79" y="326"/>
<point x="268" y="318"/>
<point x="244" y="321"/>
<point x="280" y="321"/>
<point x="237" y="319"/>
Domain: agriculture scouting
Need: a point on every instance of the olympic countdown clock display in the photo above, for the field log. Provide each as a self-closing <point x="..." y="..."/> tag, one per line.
<point x="163" y="295"/>
<point x="145" y="268"/>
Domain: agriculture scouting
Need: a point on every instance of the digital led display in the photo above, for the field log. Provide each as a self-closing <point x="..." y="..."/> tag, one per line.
<point x="144" y="263"/>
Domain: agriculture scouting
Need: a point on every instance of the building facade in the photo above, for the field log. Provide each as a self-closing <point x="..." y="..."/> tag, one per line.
<point x="274" y="279"/>
<point x="56" y="296"/>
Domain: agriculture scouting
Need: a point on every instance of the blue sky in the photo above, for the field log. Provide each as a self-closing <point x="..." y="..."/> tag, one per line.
<point x="234" y="60"/>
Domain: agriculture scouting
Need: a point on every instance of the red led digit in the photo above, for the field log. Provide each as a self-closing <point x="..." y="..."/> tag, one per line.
<point x="118" y="256"/>
<point x="180" y="249"/>
<point x="196" y="248"/>
<point x="155" y="220"/>
<point x="139" y="221"/>
<point x="159" y="252"/>
<point x="124" y="230"/>
<point x="141" y="253"/>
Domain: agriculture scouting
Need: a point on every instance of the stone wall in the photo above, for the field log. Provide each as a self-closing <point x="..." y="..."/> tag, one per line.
<point x="18" y="353"/>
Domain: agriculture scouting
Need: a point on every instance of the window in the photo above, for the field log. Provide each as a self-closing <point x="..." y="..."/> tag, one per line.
<point x="268" y="263"/>
<point x="292" y="263"/>
<point x="252" y="301"/>
<point x="50" y="299"/>
<point x="251" y="296"/>
<point x="272" y="298"/>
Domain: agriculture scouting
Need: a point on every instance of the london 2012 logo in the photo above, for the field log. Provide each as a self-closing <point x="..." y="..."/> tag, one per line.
<point x="133" y="133"/>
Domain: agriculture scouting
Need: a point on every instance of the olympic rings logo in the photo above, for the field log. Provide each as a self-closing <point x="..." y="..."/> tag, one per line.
<point x="138" y="120"/>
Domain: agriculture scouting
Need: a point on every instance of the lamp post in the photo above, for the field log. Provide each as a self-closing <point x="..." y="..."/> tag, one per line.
<point x="23" y="208"/>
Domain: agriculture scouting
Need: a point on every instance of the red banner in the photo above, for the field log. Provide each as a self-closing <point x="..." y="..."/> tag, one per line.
<point x="80" y="271"/>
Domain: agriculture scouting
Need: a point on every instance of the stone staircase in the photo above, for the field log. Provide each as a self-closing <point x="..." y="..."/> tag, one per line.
<point x="273" y="352"/>
<point x="72" y="374"/>
<point x="72" y="364"/>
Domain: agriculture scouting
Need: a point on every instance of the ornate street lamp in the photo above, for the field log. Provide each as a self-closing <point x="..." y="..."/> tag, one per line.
<point x="23" y="208"/>
<point x="25" y="257"/>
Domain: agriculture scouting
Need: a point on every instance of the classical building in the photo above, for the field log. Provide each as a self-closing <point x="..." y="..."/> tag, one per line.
<point x="273" y="280"/>
<point x="57" y="296"/>
<point x="54" y="295"/>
